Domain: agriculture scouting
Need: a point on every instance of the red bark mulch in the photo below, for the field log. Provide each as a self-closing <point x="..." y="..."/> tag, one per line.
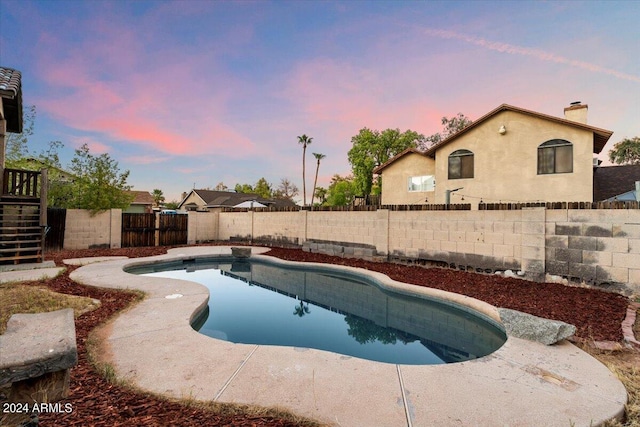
<point x="96" y="402"/>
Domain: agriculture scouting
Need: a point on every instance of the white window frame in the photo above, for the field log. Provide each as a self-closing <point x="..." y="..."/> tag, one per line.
<point x="421" y="183"/>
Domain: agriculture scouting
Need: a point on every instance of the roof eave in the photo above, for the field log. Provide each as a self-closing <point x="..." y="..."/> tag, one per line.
<point x="600" y="136"/>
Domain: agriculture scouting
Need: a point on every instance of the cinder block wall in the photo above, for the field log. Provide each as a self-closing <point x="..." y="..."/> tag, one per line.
<point x="238" y="225"/>
<point x="596" y="246"/>
<point x="84" y="230"/>
<point x="279" y="227"/>
<point x="485" y="239"/>
<point x="350" y="227"/>
<point x="203" y="227"/>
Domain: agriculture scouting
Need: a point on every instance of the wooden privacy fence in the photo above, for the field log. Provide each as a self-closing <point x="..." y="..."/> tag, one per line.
<point x="559" y="205"/>
<point x="150" y="229"/>
<point x="173" y="229"/>
<point x="54" y="237"/>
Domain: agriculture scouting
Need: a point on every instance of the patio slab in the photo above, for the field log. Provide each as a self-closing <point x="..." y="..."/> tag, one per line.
<point x="521" y="384"/>
<point x="91" y="260"/>
<point x="29" y="275"/>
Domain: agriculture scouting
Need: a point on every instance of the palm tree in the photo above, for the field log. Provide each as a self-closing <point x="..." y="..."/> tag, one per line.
<point x="304" y="140"/>
<point x="158" y="197"/>
<point x="318" y="157"/>
<point x="301" y="309"/>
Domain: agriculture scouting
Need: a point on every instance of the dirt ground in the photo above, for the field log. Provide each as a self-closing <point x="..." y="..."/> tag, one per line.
<point x="97" y="402"/>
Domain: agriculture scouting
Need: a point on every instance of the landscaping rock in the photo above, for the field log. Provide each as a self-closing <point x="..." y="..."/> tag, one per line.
<point x="36" y="353"/>
<point x="240" y="252"/>
<point x="533" y="328"/>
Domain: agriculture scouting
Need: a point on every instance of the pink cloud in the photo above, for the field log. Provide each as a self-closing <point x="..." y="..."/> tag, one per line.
<point x="103" y="87"/>
<point x="525" y="51"/>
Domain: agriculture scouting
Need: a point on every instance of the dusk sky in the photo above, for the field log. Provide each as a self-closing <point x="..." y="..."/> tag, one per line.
<point x="200" y="92"/>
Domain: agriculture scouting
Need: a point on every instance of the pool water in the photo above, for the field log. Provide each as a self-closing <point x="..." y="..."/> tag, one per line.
<point x="256" y="302"/>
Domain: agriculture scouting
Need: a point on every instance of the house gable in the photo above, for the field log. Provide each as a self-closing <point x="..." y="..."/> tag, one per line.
<point x="496" y="159"/>
<point x="600" y="136"/>
<point x="192" y="199"/>
<point x="397" y="173"/>
<point x="505" y="165"/>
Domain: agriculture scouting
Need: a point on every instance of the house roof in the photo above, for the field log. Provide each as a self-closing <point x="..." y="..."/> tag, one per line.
<point x="600" y="136"/>
<point x="250" y="204"/>
<point x="141" y="197"/>
<point x="217" y="199"/>
<point x="612" y="181"/>
<point x="11" y="93"/>
<point x="34" y="164"/>
<point x="410" y="150"/>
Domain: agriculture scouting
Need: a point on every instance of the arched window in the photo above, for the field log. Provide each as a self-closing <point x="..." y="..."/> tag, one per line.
<point x="461" y="164"/>
<point x="555" y="156"/>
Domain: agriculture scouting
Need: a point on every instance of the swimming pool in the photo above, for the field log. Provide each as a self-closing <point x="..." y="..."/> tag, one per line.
<point x="255" y="302"/>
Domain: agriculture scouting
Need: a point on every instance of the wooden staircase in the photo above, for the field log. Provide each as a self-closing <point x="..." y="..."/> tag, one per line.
<point x="22" y="217"/>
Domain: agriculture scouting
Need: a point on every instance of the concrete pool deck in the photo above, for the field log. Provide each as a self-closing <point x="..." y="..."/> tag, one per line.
<point x="522" y="384"/>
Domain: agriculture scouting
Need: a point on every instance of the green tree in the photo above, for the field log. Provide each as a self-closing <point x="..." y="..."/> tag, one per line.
<point x="286" y="190"/>
<point x="172" y="204"/>
<point x="263" y="189"/>
<point x="318" y="157"/>
<point x="304" y="140"/>
<point x="626" y="152"/>
<point x="158" y="196"/>
<point x="17" y="143"/>
<point x="221" y="187"/>
<point x="321" y="195"/>
<point x="449" y="126"/>
<point x="371" y="148"/>
<point x="243" y="188"/>
<point x="99" y="185"/>
<point x="341" y="191"/>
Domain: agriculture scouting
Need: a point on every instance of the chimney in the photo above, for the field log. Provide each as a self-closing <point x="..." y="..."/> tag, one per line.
<point x="576" y="112"/>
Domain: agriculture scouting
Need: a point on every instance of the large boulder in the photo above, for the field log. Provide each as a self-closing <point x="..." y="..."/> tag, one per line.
<point x="241" y="252"/>
<point x="533" y="328"/>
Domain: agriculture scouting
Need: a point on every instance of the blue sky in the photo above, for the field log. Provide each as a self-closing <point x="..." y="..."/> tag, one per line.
<point x="200" y="92"/>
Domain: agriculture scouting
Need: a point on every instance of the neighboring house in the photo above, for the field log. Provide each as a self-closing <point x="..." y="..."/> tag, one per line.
<point x="621" y="183"/>
<point x="55" y="173"/>
<point x="206" y="200"/>
<point x="142" y="202"/>
<point x="508" y="155"/>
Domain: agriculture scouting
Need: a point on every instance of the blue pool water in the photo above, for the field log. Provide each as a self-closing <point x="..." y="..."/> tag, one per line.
<point x="256" y="302"/>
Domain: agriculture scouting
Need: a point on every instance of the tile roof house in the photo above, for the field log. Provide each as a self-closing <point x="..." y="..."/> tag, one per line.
<point x="203" y="200"/>
<point x="616" y="183"/>
<point x="508" y="155"/>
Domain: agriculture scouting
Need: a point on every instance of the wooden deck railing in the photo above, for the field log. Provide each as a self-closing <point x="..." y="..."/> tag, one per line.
<point x="21" y="183"/>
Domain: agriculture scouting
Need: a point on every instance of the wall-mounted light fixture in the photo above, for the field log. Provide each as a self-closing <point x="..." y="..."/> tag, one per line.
<point x="502" y="130"/>
<point x="447" y="195"/>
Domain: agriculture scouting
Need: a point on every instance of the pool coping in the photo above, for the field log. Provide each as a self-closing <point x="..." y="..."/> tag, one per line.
<point x="523" y="383"/>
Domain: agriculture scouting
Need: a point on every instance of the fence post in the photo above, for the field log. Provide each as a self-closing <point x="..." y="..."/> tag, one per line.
<point x="533" y="243"/>
<point x="192" y="228"/>
<point x="381" y="237"/>
<point x="302" y="237"/>
<point x="156" y="233"/>
<point x="115" y="239"/>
